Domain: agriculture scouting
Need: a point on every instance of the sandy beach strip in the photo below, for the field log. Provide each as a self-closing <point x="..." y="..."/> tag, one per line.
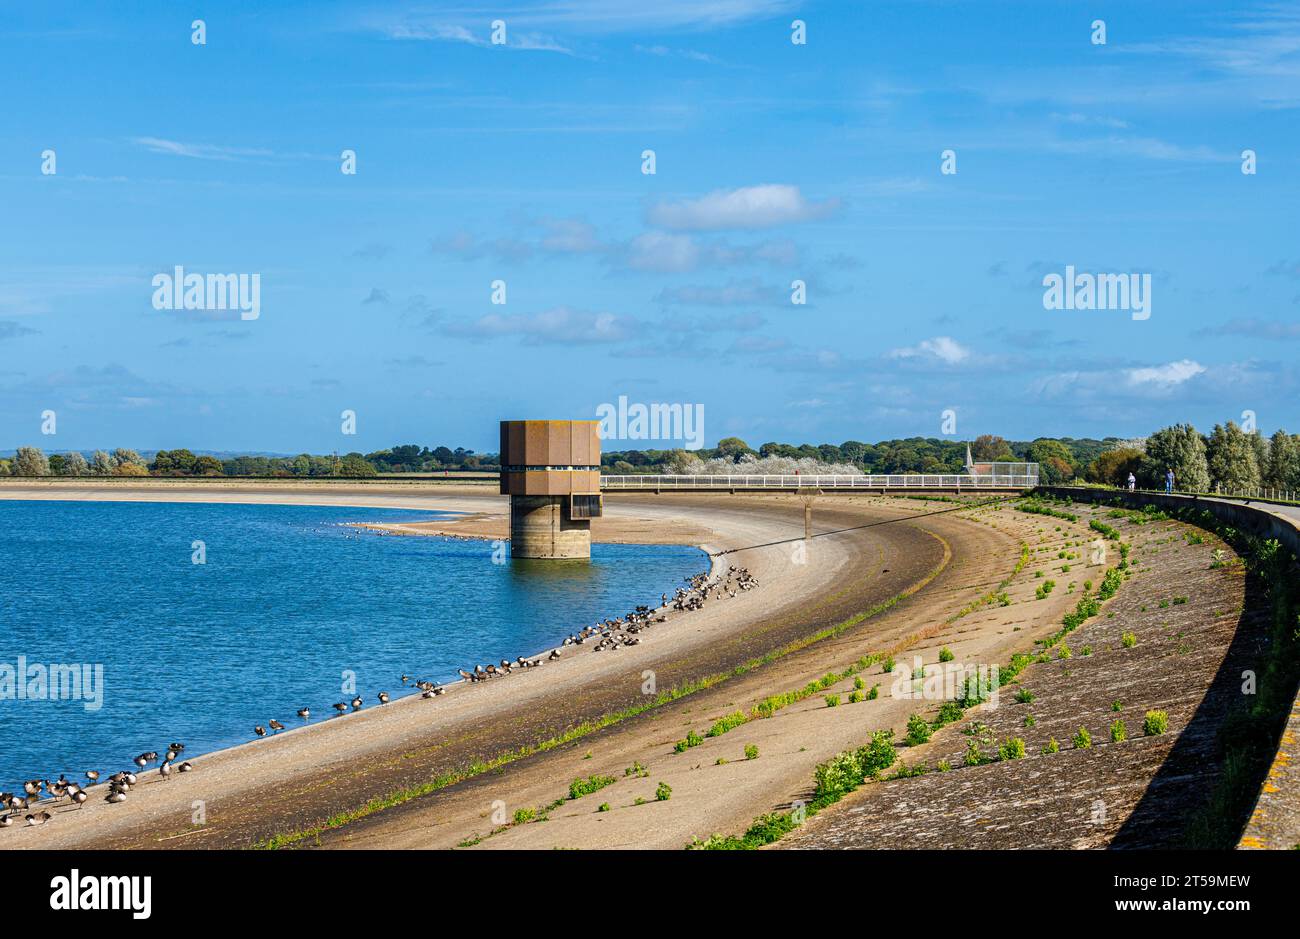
<point x="304" y="776"/>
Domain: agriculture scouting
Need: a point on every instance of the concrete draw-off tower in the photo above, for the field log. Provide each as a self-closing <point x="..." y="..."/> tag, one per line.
<point x="551" y="472"/>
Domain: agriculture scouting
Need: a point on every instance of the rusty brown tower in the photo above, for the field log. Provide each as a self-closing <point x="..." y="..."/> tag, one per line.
<point x="551" y="472"/>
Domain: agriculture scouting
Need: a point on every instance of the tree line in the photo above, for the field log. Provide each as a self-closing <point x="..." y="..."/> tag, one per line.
<point x="408" y="458"/>
<point x="1060" y="459"/>
<point x="1229" y="459"/>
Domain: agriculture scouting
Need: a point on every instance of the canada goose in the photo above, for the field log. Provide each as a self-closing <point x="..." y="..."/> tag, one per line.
<point x="260" y="730"/>
<point x="340" y="707"/>
<point x="116" y="796"/>
<point x="80" y="798"/>
<point x="405" y="678"/>
<point x="356" y="703"/>
<point x="274" y="724"/>
<point x="32" y="787"/>
<point x="465" y="675"/>
<point x="142" y="760"/>
<point x="383" y="697"/>
<point x="92" y="775"/>
<point x="165" y="771"/>
<point x="555" y="654"/>
<point x="6" y="821"/>
<point x="304" y="713"/>
<point x="169" y="755"/>
<point x="130" y="779"/>
<point x="39" y="818"/>
<point x="438" y="689"/>
<point x="186" y="767"/>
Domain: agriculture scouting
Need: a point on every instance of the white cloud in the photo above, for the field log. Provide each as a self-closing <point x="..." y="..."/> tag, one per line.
<point x="762" y="206"/>
<point x="667" y="52"/>
<point x="560" y="324"/>
<point x="601" y="17"/>
<point x="569" y="236"/>
<point x="943" y="348"/>
<point x="748" y="292"/>
<point x="1166" y="376"/>
<point x="664" y="253"/>
<point x="668" y="253"/>
<point x="451" y="32"/>
<point x="207" y="151"/>
<point x="199" y="151"/>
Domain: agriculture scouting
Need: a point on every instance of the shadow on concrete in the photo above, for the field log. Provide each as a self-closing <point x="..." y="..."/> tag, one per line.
<point x="1175" y="810"/>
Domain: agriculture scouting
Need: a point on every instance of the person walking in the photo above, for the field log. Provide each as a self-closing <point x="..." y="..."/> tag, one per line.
<point x="1132" y="482"/>
<point x="1169" y="479"/>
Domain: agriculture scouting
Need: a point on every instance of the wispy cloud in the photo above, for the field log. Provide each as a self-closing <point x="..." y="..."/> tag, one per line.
<point x="747" y="292"/>
<point x="219" y="152"/>
<point x="1168" y="375"/>
<point x="452" y="32"/>
<point x="469" y="247"/>
<point x="1253" y="328"/>
<point x="674" y="253"/>
<point x="750" y="207"/>
<point x="943" y="349"/>
<point x="11" y="330"/>
<point x="668" y="52"/>
<point x="558" y="325"/>
<point x="582" y="17"/>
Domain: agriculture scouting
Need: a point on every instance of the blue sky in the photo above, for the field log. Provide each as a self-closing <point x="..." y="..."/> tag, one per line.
<point x="522" y="162"/>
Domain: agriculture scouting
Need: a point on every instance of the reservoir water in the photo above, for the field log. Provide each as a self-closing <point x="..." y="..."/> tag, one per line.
<point x="288" y="604"/>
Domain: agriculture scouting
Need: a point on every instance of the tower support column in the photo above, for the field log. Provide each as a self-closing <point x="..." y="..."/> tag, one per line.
<point x="540" y="527"/>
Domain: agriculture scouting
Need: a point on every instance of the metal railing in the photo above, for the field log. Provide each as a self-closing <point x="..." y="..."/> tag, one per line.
<point x="802" y="481"/>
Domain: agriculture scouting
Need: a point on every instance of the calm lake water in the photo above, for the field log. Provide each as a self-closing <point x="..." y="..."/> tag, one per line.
<point x="287" y="601"/>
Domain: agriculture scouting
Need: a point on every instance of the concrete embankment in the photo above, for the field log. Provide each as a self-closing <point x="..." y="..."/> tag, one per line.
<point x="1275" y="821"/>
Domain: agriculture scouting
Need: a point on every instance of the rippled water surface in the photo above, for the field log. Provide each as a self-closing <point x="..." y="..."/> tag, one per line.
<point x="287" y="602"/>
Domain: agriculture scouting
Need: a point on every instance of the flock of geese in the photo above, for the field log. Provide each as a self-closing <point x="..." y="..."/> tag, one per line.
<point x="606" y="635"/>
<point x="119" y="784"/>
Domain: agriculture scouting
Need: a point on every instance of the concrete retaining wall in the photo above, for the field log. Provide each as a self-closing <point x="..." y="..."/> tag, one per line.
<point x="1275" y="822"/>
